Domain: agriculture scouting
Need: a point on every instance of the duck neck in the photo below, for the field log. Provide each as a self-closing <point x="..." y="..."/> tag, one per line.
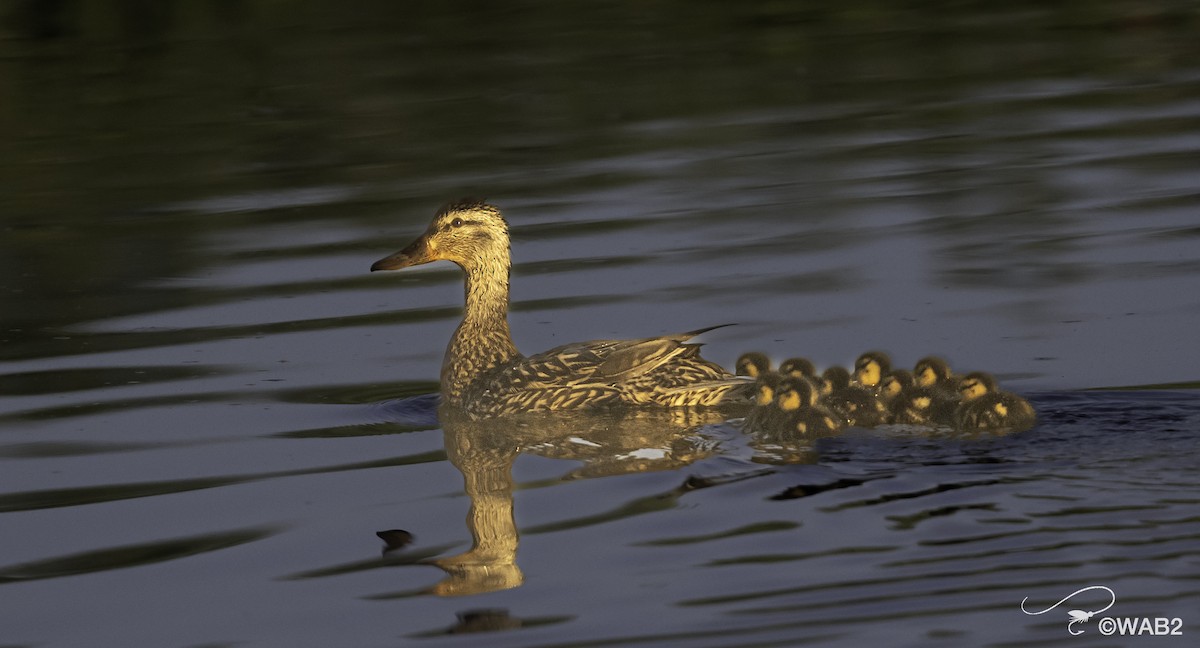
<point x="482" y="341"/>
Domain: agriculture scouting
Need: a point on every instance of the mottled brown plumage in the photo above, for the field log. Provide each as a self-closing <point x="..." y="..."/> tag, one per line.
<point x="484" y="374"/>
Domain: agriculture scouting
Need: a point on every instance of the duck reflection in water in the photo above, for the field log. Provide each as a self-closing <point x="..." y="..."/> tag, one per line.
<point x="613" y="442"/>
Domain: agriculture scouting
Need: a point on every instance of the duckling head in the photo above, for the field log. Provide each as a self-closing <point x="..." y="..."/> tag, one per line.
<point x="836" y="378"/>
<point x="822" y="385"/>
<point x="797" y="368"/>
<point x="470" y="233"/>
<point x="976" y="384"/>
<point x="765" y="388"/>
<point x="930" y="371"/>
<point x="794" y="393"/>
<point x="753" y="364"/>
<point x="871" y="367"/>
<point x="916" y="404"/>
<point x="895" y="383"/>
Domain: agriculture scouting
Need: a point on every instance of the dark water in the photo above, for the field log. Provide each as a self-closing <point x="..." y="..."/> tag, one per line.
<point x="208" y="407"/>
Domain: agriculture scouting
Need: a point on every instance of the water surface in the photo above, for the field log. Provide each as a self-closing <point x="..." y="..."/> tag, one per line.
<point x="208" y="406"/>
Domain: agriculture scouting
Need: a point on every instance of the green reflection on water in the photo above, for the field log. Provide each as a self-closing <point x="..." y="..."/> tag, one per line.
<point x="127" y="131"/>
<point x="55" y="498"/>
<point x="131" y="556"/>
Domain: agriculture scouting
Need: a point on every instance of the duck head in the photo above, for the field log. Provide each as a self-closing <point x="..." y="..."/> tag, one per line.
<point x="919" y="402"/>
<point x="765" y="387"/>
<point x="976" y="384"/>
<point x="836" y="378"/>
<point x="794" y="393"/>
<point x="930" y="371"/>
<point x="753" y="364"/>
<point x="798" y="368"/>
<point x="870" y="368"/>
<point x="471" y="233"/>
<point x="895" y="383"/>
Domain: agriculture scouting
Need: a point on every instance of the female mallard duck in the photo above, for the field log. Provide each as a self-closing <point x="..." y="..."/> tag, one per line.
<point x="484" y="374"/>
<point x="753" y="364"/>
<point x="986" y="407"/>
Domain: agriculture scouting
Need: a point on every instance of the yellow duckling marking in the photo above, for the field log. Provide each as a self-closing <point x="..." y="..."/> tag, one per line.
<point x="789" y="400"/>
<point x="870" y="368"/>
<point x="972" y="388"/>
<point x="765" y="395"/>
<point x="797" y="368"/>
<point x="932" y="371"/>
<point x="824" y="388"/>
<point x="922" y="402"/>
<point x="753" y="364"/>
<point x="1001" y="409"/>
<point x="892" y="387"/>
<point x="869" y="374"/>
<point x="802" y="428"/>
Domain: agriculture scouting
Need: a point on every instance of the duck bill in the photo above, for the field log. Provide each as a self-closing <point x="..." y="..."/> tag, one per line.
<point x="416" y="253"/>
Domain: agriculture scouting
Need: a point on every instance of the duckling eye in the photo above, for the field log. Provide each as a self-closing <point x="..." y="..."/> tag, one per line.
<point x="457" y="222"/>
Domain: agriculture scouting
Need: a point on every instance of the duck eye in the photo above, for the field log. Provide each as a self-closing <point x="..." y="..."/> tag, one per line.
<point x="457" y="222"/>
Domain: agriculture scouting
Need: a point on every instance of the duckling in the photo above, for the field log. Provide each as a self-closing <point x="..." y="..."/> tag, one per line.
<point x="812" y="422"/>
<point x="753" y="364"/>
<point x="483" y="373"/>
<point x="794" y="392"/>
<point x="922" y="406"/>
<point x="934" y="373"/>
<point x="803" y="415"/>
<point x="764" y="414"/>
<point x="893" y="384"/>
<point x="986" y="407"/>
<point x="852" y="403"/>
<point x="831" y="379"/>
<point x="798" y="368"/>
<point x="870" y="368"/>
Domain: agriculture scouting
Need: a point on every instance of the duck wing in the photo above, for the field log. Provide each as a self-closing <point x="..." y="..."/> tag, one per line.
<point x="610" y="362"/>
<point x="598" y="362"/>
<point x="640" y="357"/>
<point x="666" y="370"/>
